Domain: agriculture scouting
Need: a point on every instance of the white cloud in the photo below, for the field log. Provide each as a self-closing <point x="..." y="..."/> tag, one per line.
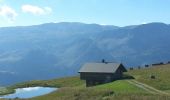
<point x="36" y="10"/>
<point x="8" y="13"/>
<point x="144" y="23"/>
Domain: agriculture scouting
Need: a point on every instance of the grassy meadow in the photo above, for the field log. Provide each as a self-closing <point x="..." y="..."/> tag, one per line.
<point x="72" y="88"/>
<point x="161" y="73"/>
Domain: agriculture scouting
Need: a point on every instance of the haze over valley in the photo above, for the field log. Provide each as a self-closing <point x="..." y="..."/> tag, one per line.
<point x="59" y="49"/>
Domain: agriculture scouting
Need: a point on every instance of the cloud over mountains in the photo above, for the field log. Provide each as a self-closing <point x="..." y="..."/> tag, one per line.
<point x="36" y="10"/>
<point x="8" y="13"/>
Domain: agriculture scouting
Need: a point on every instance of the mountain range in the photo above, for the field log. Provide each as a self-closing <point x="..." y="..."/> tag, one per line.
<point x="59" y="49"/>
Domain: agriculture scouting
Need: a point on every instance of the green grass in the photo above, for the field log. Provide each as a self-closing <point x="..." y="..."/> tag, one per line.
<point x="72" y="88"/>
<point x="161" y="73"/>
<point x="122" y="86"/>
<point x="105" y="91"/>
<point x="62" y="82"/>
<point x="4" y="90"/>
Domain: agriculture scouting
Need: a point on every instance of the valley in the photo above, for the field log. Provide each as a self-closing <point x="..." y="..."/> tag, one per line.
<point x="56" y="50"/>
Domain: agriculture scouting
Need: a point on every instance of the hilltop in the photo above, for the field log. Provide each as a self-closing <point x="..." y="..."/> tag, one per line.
<point x="143" y="87"/>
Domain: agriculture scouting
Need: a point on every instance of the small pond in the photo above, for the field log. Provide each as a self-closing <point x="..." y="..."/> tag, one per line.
<point x="29" y="92"/>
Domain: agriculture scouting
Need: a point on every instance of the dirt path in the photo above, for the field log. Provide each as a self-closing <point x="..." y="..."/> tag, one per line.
<point x="147" y="87"/>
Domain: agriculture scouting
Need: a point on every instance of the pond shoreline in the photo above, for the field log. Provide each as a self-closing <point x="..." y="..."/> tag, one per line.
<point x="29" y="92"/>
<point x="6" y="91"/>
<point x="12" y="89"/>
<point x="59" y="83"/>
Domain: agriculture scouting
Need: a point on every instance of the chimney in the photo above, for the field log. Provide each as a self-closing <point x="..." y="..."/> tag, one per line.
<point x="103" y="61"/>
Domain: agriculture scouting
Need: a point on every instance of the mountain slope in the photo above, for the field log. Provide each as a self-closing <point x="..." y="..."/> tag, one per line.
<point x="59" y="49"/>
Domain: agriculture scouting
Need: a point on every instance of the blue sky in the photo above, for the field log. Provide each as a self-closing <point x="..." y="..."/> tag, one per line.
<point x="112" y="12"/>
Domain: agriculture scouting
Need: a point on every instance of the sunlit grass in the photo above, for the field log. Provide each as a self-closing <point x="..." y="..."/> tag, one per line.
<point x="161" y="73"/>
<point x="72" y="88"/>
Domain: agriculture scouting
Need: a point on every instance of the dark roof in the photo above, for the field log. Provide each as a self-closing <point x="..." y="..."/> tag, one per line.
<point x="101" y="67"/>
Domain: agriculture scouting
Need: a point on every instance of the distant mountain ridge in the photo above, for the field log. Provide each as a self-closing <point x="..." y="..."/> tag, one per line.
<point x="59" y="49"/>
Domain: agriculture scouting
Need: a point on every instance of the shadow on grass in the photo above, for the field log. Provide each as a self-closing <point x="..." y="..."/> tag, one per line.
<point x="127" y="77"/>
<point x="124" y="77"/>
